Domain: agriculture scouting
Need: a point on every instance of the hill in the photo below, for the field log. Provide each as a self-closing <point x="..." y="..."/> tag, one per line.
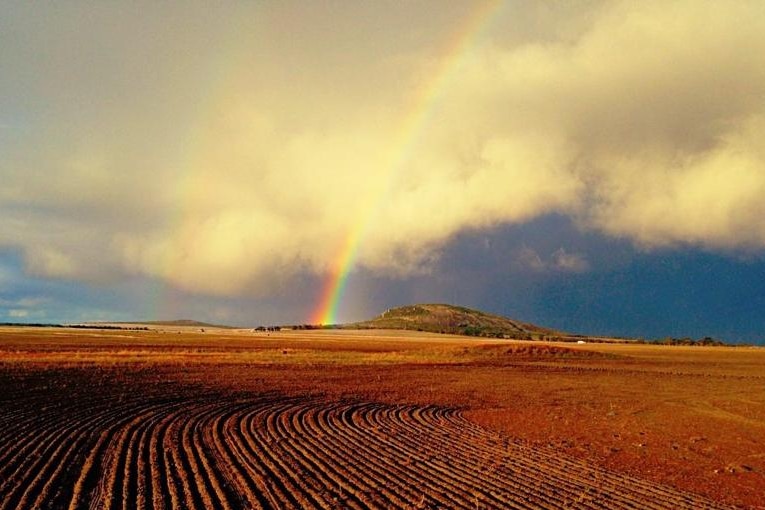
<point x="181" y="323"/>
<point x="442" y="318"/>
<point x="187" y="323"/>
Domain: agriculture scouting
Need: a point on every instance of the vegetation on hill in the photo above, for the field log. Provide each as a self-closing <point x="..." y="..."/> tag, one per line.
<point x="442" y="318"/>
<point x="706" y="341"/>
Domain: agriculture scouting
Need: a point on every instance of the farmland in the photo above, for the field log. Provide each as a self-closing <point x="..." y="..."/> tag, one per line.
<point x="180" y="418"/>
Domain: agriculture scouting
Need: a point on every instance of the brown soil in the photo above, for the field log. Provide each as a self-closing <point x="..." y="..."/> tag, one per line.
<point x="339" y="420"/>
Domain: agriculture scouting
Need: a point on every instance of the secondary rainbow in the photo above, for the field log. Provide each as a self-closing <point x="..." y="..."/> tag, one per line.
<point x="223" y="75"/>
<point x="407" y="135"/>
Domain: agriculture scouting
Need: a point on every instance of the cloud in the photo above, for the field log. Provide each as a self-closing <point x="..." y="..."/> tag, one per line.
<point x="528" y="258"/>
<point x="711" y="198"/>
<point x="24" y="307"/>
<point x="24" y="302"/>
<point x="661" y="106"/>
<point x="559" y="261"/>
<point x="225" y="157"/>
<point x="569" y="262"/>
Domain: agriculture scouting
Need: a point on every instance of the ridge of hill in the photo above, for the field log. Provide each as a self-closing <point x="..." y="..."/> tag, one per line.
<point x="170" y="323"/>
<point x="444" y="318"/>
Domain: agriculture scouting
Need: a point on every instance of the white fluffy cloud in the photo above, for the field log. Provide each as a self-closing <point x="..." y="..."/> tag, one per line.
<point x="226" y="156"/>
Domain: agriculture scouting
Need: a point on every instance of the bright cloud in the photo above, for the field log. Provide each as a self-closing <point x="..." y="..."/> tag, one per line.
<point x="224" y="154"/>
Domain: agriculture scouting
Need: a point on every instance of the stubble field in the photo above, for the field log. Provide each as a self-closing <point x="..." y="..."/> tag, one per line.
<point x="340" y="419"/>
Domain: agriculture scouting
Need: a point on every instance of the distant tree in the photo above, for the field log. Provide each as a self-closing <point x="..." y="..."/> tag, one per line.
<point x="472" y="331"/>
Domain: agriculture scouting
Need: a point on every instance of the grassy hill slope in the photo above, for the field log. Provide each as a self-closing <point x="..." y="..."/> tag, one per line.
<point x="442" y="318"/>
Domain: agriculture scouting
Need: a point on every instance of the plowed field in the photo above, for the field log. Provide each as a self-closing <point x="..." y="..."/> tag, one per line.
<point x="151" y="434"/>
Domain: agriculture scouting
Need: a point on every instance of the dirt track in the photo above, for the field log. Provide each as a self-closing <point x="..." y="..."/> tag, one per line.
<point x="123" y="445"/>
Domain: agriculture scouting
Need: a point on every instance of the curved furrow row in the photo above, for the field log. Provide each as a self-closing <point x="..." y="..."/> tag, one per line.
<point x="253" y="460"/>
<point x="91" y="482"/>
<point x="113" y="489"/>
<point x="72" y="440"/>
<point x="29" y="439"/>
<point x="374" y="484"/>
<point x="367" y="463"/>
<point x="248" y="482"/>
<point x="44" y="422"/>
<point x="317" y="466"/>
<point x="310" y="461"/>
<point x="210" y="455"/>
<point x="442" y="457"/>
<point x="471" y="470"/>
<point x="436" y="457"/>
<point x="133" y="482"/>
<point x="533" y="489"/>
<point x="419" y="457"/>
<point x="398" y="465"/>
<point x="203" y="457"/>
<point x="166" y="471"/>
<point x="263" y="424"/>
<point x="15" y="423"/>
<point x="162" y="489"/>
<point x="152" y="488"/>
<point x="540" y="479"/>
<point x="313" y="484"/>
<point x="562" y="491"/>
<point x="119" y="450"/>
<point x="379" y="480"/>
<point x="626" y="491"/>
<point x="41" y="460"/>
<point x="58" y="492"/>
<point x="247" y="458"/>
<point x="107" y="425"/>
<point x="200" y="486"/>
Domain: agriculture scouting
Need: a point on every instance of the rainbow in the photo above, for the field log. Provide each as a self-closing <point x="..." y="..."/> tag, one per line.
<point x="406" y="137"/>
<point x="193" y="181"/>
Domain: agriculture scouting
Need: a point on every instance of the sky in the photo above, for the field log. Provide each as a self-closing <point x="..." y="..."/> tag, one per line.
<point x="592" y="166"/>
